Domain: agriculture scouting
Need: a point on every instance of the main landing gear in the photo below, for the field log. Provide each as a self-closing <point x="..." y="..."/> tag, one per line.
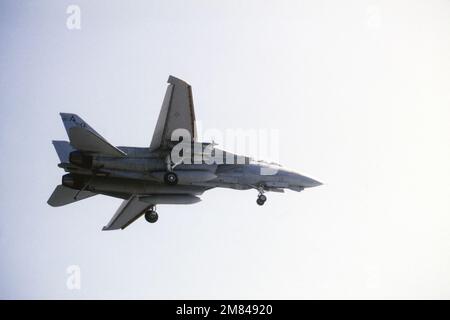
<point x="170" y="177"/>
<point x="151" y="215"/>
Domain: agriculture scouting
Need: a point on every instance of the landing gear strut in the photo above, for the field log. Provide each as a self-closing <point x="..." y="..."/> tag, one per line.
<point x="151" y="215"/>
<point x="170" y="177"/>
<point x="261" y="198"/>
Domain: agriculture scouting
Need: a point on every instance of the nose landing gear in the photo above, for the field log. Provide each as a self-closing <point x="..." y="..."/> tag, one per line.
<point x="151" y="215"/>
<point x="261" y="199"/>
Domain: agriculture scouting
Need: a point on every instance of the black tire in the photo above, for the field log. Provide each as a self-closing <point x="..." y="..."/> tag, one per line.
<point x="171" y="178"/>
<point x="259" y="202"/>
<point x="262" y="197"/>
<point x="151" y="216"/>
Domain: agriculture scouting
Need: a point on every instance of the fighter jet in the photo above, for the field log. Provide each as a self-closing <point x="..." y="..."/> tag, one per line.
<point x="174" y="169"/>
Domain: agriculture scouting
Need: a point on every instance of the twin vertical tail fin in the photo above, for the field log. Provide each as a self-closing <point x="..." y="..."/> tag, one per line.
<point x="63" y="149"/>
<point x="71" y="120"/>
<point x="84" y="138"/>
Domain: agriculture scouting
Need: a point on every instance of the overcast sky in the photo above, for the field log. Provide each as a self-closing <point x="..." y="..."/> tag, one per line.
<point x="357" y="90"/>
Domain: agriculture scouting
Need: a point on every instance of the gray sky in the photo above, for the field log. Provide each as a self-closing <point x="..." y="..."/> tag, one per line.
<point x="358" y="91"/>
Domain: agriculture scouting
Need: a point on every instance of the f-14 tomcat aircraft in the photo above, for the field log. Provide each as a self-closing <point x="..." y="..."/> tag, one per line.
<point x="167" y="172"/>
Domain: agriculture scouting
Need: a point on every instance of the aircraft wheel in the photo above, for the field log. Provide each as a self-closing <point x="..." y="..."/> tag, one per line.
<point x="262" y="197"/>
<point x="259" y="201"/>
<point x="151" y="216"/>
<point x="171" y="178"/>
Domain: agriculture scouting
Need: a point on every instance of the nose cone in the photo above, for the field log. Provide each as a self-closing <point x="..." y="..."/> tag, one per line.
<point x="298" y="180"/>
<point x="309" y="183"/>
<point x="306" y="182"/>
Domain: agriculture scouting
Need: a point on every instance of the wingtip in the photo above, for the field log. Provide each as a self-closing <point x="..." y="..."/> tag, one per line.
<point x="174" y="80"/>
<point x="65" y="114"/>
<point x="50" y="203"/>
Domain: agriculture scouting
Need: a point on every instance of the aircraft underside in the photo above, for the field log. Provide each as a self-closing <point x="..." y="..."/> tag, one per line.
<point x="160" y="173"/>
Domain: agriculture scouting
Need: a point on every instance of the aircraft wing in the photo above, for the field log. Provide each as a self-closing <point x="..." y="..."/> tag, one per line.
<point x="177" y="112"/>
<point x="127" y="213"/>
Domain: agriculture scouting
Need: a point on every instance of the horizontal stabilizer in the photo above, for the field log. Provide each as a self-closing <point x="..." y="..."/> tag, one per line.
<point x="64" y="195"/>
